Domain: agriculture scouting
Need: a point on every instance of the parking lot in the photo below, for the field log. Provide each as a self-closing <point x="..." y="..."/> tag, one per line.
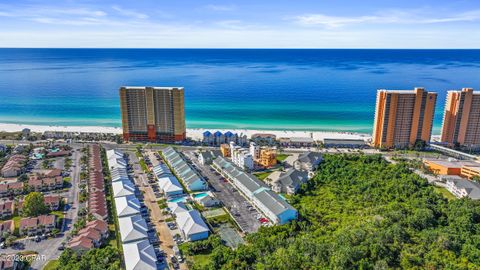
<point x="160" y="235"/>
<point x="146" y="206"/>
<point x="244" y="214"/>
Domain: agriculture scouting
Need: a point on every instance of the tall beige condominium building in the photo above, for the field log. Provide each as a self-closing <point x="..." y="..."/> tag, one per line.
<point x="402" y="117"/>
<point x="461" y="120"/>
<point x="153" y="114"/>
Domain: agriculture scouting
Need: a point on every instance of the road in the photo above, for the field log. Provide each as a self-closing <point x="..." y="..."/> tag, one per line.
<point x="230" y="197"/>
<point x="150" y="200"/>
<point x="48" y="248"/>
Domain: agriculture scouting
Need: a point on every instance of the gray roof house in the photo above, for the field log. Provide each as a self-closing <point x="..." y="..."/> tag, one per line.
<point x="274" y="207"/>
<point x="132" y="228"/>
<point x="207" y="157"/>
<point x="308" y="161"/>
<point x="287" y="182"/>
<point x="139" y="256"/>
<point x="461" y="187"/>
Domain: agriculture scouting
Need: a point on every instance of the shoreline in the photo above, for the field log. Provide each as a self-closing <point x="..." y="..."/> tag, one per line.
<point x="194" y="133"/>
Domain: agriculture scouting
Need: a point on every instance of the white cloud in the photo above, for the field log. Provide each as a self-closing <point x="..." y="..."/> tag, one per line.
<point x="130" y="13"/>
<point x="385" y="17"/>
<point x="221" y="7"/>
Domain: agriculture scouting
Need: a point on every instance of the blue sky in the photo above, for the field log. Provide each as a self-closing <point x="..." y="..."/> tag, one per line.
<point x="241" y="24"/>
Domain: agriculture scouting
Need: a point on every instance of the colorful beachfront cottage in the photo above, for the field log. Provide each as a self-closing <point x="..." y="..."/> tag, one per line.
<point x="218" y="138"/>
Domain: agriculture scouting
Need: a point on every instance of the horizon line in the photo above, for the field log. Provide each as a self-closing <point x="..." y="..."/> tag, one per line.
<point x="234" y="48"/>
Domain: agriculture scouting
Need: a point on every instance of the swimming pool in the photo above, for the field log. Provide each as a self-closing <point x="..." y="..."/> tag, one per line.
<point x="200" y="195"/>
<point x="177" y="200"/>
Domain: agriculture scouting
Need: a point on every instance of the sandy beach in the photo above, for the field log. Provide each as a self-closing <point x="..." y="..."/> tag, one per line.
<point x="316" y="135"/>
<point x="195" y="134"/>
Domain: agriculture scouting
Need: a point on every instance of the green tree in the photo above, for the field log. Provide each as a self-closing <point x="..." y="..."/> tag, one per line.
<point x="34" y="205"/>
<point x="361" y="212"/>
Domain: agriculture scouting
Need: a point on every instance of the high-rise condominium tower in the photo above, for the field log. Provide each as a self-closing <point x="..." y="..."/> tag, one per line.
<point x="153" y="114"/>
<point x="461" y="120"/>
<point x="403" y="117"/>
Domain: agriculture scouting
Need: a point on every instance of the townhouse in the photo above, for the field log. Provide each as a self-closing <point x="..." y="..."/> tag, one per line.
<point x="92" y="235"/>
<point x="37" y="225"/>
<point x="14" y="166"/>
<point x="97" y="202"/>
<point x="190" y="178"/>
<point x="7" y="208"/>
<point x="266" y="201"/>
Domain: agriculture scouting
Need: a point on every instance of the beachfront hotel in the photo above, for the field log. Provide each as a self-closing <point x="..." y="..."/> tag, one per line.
<point x="153" y="114"/>
<point x="403" y="117"/>
<point x="461" y="120"/>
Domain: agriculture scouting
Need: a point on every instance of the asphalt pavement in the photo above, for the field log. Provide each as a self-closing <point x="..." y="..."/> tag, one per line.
<point x="235" y="203"/>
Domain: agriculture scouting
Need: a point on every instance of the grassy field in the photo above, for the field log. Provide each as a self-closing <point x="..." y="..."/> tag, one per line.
<point x="449" y="196"/>
<point x="51" y="265"/>
<point x="200" y="260"/>
<point x="262" y="175"/>
<point x="282" y="157"/>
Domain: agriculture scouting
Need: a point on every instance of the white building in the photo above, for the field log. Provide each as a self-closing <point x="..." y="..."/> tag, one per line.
<point x="177" y="207"/>
<point x="167" y="181"/>
<point x="192" y="226"/>
<point x="254" y="150"/>
<point x="115" y="159"/>
<point x="287" y="182"/>
<point x="207" y="157"/>
<point x="170" y="186"/>
<point x="139" y="255"/>
<point x="132" y="229"/>
<point x="461" y="187"/>
<point x="241" y="157"/>
<point x="119" y="174"/>
<point x="123" y="188"/>
<point x="206" y="199"/>
<point x="127" y="206"/>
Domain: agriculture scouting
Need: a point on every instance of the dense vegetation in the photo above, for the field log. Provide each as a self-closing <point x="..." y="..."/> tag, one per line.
<point x="106" y="258"/>
<point x="34" y="205"/>
<point x="360" y="212"/>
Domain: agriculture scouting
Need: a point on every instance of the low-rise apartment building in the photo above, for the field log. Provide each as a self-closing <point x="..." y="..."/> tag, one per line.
<point x="14" y="166"/>
<point x="37" y="225"/>
<point x="11" y="189"/>
<point x="464" y="168"/>
<point x="91" y="236"/>
<point x="241" y="157"/>
<point x="269" y="203"/>
<point x="7" y="208"/>
<point x="190" y="178"/>
<point x="8" y="227"/>
<point x="461" y="187"/>
<point x="288" y="182"/>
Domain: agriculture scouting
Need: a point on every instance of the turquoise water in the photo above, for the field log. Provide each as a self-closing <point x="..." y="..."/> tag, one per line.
<point x="177" y="200"/>
<point x="255" y="89"/>
<point x="200" y="195"/>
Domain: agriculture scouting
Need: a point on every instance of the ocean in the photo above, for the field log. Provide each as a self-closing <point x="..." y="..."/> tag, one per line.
<point x="278" y="89"/>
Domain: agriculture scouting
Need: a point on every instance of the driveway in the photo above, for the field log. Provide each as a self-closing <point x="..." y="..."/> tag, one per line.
<point x="156" y="216"/>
